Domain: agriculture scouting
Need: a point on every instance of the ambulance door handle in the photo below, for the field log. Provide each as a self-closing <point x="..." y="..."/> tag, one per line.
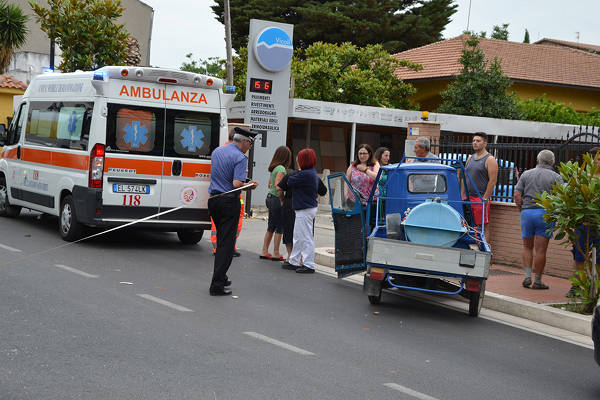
<point x="18" y="152"/>
<point x="176" y="169"/>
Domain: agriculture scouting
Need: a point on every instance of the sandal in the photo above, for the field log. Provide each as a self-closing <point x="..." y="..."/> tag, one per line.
<point x="267" y="257"/>
<point x="280" y="258"/>
<point x="539" y="286"/>
<point x="526" y="282"/>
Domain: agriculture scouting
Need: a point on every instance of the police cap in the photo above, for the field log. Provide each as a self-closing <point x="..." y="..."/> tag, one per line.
<point x="247" y="133"/>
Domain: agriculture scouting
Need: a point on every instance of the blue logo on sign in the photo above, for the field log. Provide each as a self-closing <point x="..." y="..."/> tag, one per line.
<point x="274" y="49"/>
<point x="192" y="138"/>
<point x="136" y="134"/>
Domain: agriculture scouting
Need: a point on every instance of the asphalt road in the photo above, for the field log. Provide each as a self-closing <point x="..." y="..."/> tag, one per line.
<point x="128" y="316"/>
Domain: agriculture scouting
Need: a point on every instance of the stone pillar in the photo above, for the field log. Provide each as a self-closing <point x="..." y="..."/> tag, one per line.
<point x="430" y="130"/>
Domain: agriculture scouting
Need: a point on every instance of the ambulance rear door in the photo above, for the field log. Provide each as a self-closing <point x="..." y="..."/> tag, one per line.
<point x="135" y="139"/>
<point x="192" y="133"/>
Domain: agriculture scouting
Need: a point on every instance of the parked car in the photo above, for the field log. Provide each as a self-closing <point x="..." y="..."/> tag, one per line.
<point x="596" y="333"/>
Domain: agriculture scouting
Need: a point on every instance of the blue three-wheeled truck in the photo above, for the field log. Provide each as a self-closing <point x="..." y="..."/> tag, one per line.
<point x="414" y="232"/>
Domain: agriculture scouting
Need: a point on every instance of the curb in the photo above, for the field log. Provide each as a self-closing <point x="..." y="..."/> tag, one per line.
<point x="572" y="322"/>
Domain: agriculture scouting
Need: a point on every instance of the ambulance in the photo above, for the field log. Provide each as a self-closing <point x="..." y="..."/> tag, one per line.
<point x="112" y="146"/>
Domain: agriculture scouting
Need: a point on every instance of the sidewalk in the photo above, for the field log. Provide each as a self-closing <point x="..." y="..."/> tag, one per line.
<point x="507" y="280"/>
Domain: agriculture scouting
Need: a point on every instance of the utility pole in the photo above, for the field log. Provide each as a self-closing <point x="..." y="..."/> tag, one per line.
<point x="469" y="16"/>
<point x="230" y="88"/>
<point x="52" y="55"/>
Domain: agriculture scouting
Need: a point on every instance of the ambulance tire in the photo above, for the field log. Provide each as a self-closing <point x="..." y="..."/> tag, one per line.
<point x="6" y="210"/>
<point x="190" y="237"/>
<point x="69" y="227"/>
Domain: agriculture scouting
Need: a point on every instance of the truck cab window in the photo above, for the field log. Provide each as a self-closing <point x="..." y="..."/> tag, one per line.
<point x="16" y="126"/>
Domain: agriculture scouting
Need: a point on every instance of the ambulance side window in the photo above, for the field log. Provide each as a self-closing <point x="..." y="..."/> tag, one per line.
<point x="64" y="125"/>
<point x="191" y="134"/>
<point x="134" y="129"/>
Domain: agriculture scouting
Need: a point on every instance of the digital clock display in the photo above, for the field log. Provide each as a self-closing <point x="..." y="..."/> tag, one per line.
<point x="261" y="85"/>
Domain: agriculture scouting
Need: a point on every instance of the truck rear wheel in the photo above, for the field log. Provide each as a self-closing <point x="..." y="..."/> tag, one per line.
<point x="70" y="228"/>
<point x="475" y="301"/>
<point x="375" y="299"/>
<point x="190" y="237"/>
<point x="6" y="210"/>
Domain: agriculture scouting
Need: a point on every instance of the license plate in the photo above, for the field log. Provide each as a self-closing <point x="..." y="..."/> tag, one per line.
<point x="140" y="189"/>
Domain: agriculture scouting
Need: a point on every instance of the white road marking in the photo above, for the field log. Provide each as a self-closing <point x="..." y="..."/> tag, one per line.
<point x="279" y="343"/>
<point x="408" y="391"/>
<point x="164" y="302"/>
<point x="5" y="247"/>
<point x="75" y="271"/>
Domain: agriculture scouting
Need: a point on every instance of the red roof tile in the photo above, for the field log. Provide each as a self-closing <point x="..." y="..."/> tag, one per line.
<point x="9" y="82"/>
<point x="576" y="45"/>
<point x="520" y="61"/>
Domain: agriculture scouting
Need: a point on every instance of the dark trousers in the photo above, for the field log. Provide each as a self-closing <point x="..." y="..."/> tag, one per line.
<point x="225" y="212"/>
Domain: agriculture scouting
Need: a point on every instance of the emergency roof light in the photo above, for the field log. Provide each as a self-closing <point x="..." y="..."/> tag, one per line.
<point x="100" y="76"/>
<point x="160" y="75"/>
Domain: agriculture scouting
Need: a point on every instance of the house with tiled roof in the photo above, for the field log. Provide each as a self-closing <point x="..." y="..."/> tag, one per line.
<point x="563" y="73"/>
<point x="592" y="48"/>
<point x="9" y="87"/>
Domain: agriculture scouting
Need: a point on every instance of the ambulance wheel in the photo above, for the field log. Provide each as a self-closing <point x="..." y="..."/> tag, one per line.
<point x="475" y="301"/>
<point x="70" y="229"/>
<point x="6" y="210"/>
<point x="190" y="237"/>
<point x="375" y="299"/>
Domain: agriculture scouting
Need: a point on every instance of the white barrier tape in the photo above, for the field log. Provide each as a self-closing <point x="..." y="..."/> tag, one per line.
<point x="91" y="236"/>
<point x="233" y="191"/>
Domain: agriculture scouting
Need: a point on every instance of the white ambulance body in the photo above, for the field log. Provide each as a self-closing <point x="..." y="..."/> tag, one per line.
<point x="112" y="146"/>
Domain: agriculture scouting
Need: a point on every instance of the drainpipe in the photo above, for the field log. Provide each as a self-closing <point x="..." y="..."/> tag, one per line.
<point x="352" y="141"/>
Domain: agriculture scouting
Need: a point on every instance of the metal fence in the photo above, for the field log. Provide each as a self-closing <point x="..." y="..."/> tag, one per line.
<point x="517" y="154"/>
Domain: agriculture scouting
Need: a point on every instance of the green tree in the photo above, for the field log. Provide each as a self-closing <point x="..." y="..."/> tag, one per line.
<point x="396" y="24"/>
<point x="526" y="38"/>
<point x="348" y="74"/>
<point x="85" y="31"/>
<point x="341" y="73"/>
<point x="240" y="65"/>
<point x="570" y="206"/>
<point x="480" y="89"/>
<point x="500" y="32"/>
<point x="13" y="32"/>
<point x="213" y="66"/>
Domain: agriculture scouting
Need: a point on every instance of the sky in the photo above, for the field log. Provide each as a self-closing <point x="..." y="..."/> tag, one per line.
<point x="189" y="26"/>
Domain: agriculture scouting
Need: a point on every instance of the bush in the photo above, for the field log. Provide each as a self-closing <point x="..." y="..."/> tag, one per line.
<point x="573" y="205"/>
<point x="544" y="110"/>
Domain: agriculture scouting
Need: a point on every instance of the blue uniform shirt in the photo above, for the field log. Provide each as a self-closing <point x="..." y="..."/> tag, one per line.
<point x="228" y="164"/>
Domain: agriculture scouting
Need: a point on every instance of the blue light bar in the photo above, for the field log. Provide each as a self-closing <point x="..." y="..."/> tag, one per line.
<point x="100" y="76"/>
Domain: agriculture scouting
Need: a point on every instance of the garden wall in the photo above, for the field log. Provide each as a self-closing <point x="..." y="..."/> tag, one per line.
<point x="506" y="242"/>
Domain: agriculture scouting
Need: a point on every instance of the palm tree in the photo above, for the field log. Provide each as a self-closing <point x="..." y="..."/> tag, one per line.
<point x="13" y="32"/>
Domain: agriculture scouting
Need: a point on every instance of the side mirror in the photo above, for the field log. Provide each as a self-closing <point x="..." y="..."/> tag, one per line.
<point x="2" y="134"/>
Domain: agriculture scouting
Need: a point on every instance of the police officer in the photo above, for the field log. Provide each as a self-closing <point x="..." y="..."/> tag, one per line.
<point x="228" y="172"/>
